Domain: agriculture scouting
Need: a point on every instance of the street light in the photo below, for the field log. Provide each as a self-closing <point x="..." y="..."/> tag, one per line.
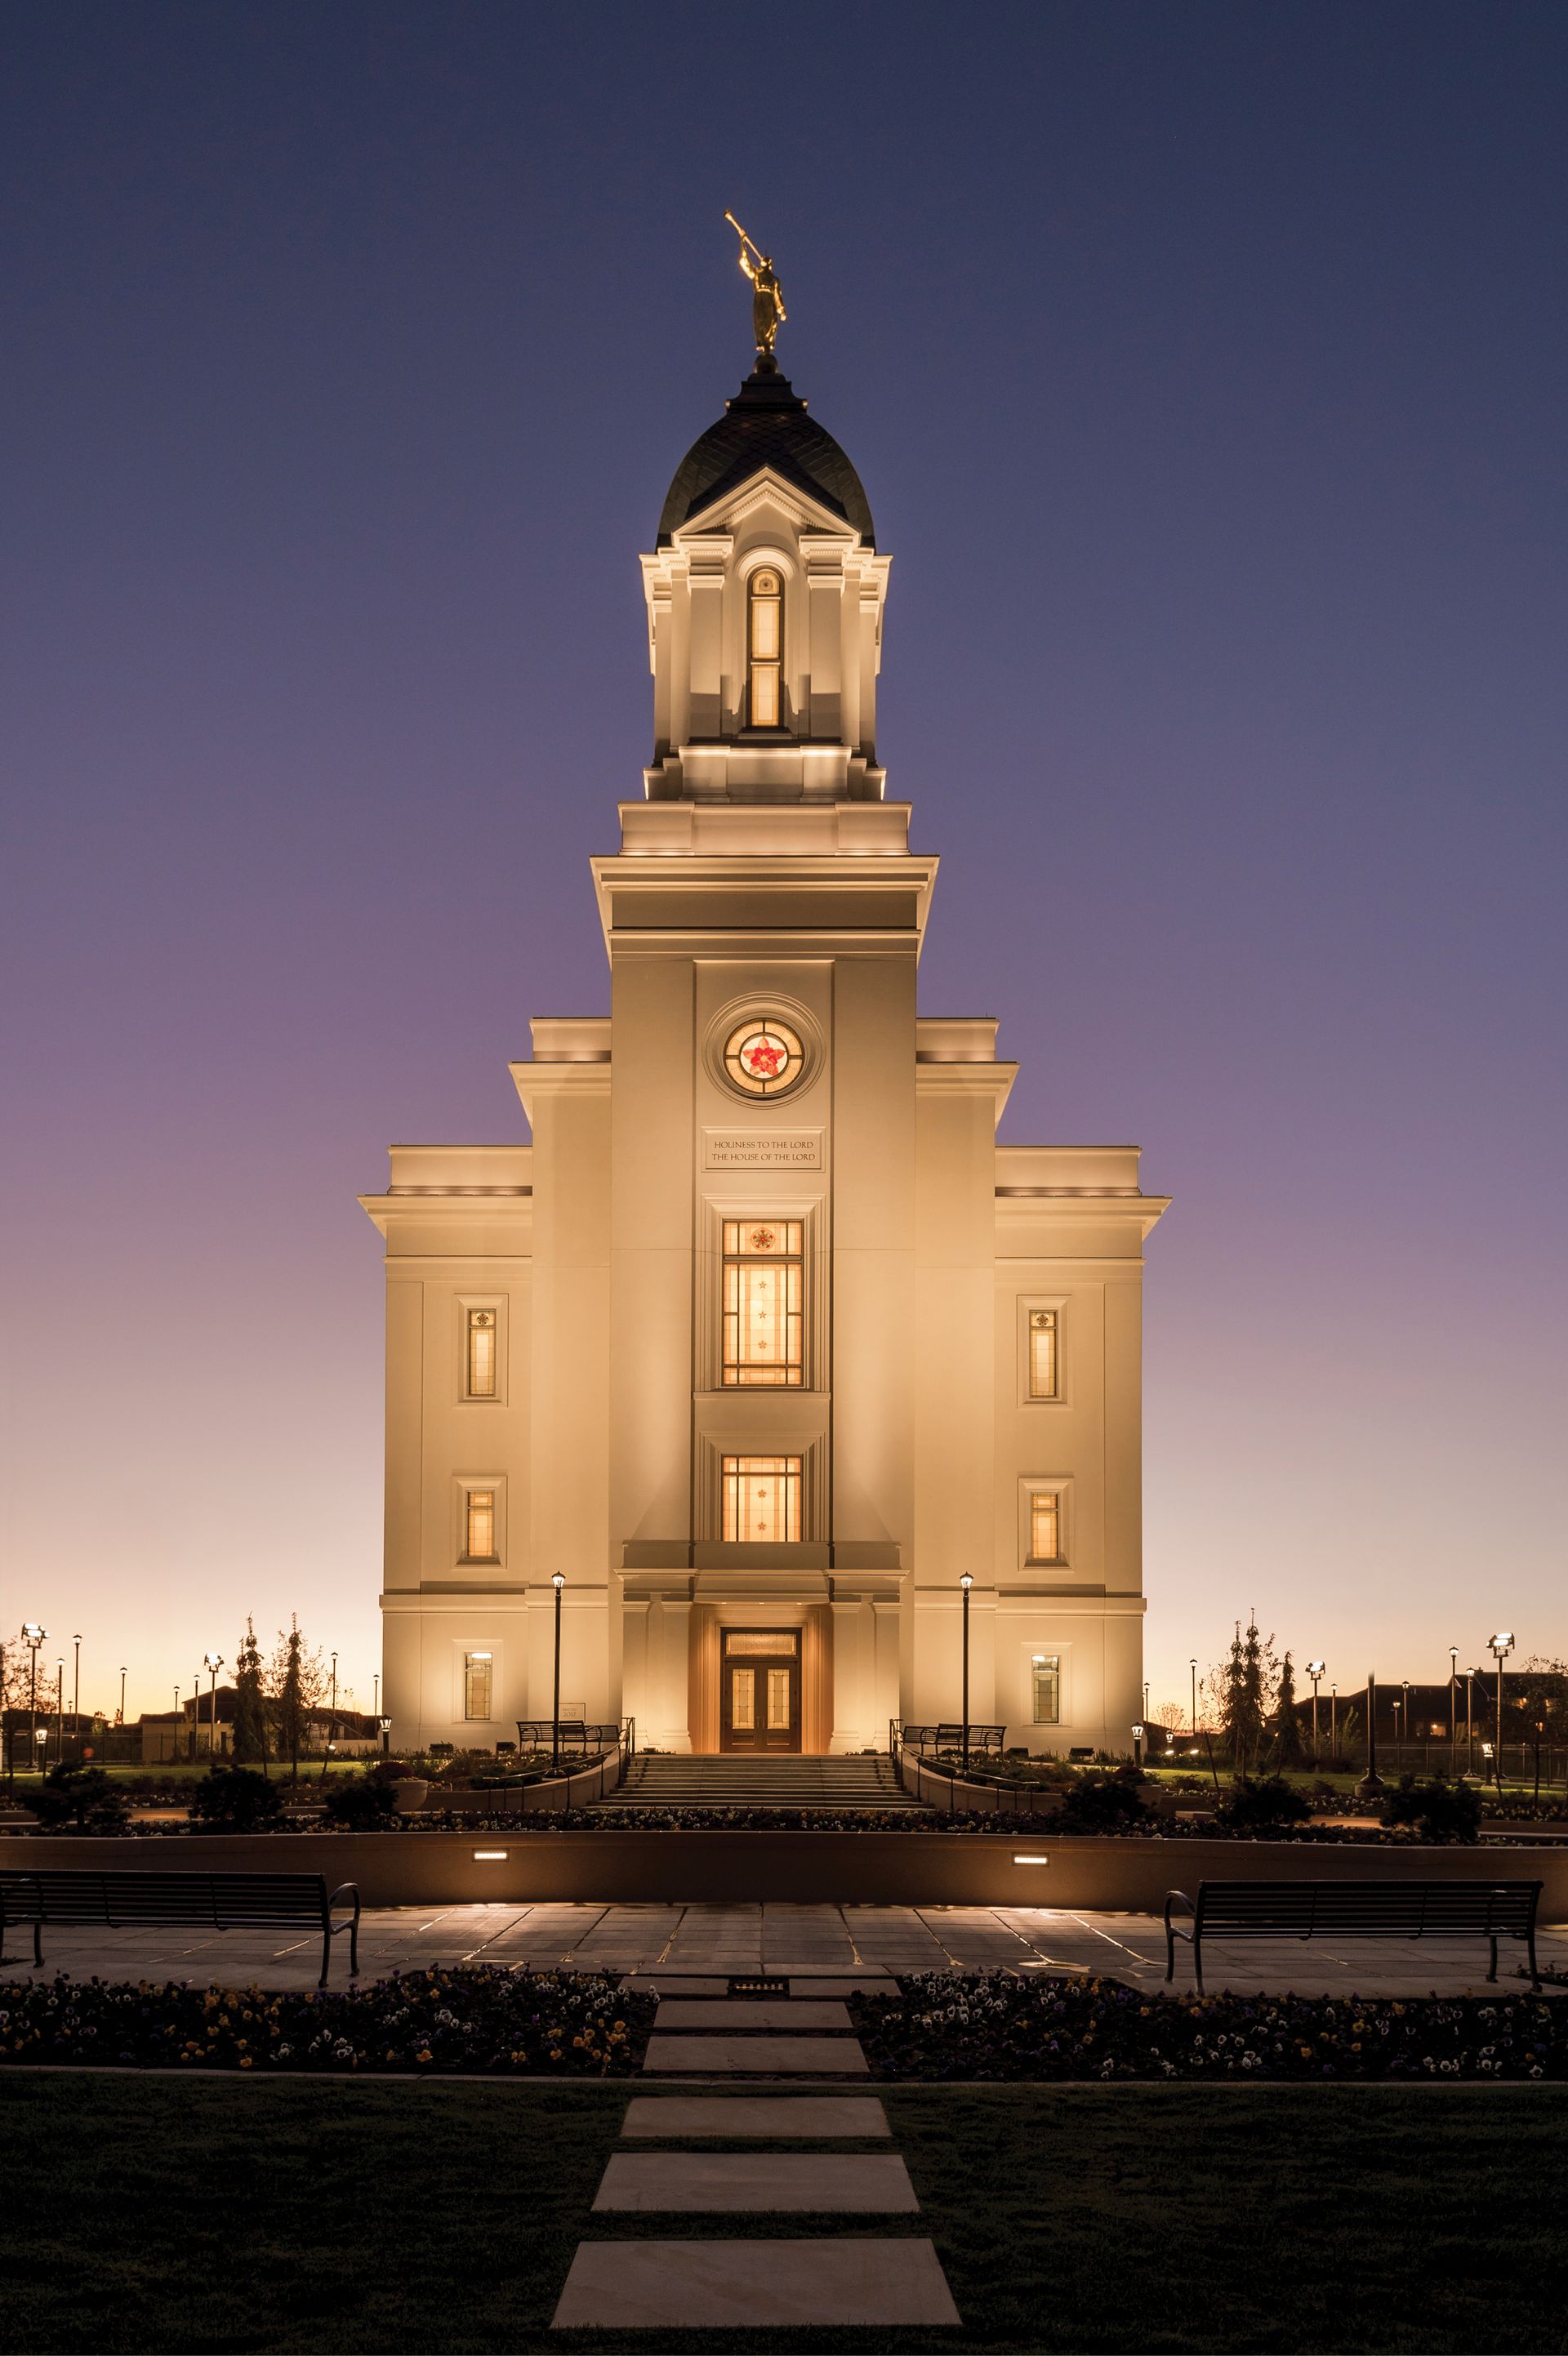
<point x="1333" y="1721"/>
<point x="59" y="1711"/>
<point x="1453" y="1708"/>
<point x="33" y="1636"/>
<point x="76" y="1690"/>
<point x="386" y="1725"/>
<point x="965" y="1583"/>
<point x="1138" y="1747"/>
<point x="1371" y="1783"/>
<point x="212" y="1663"/>
<point x="1500" y="1646"/>
<point x="1193" y="1666"/>
<point x="557" y="1581"/>
<point x="121" y="1693"/>
<point x="1314" y="1670"/>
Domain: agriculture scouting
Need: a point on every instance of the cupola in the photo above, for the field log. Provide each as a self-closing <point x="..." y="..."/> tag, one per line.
<point x="765" y="595"/>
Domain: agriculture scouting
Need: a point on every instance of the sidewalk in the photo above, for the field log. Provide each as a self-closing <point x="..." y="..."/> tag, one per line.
<point x="693" y="1950"/>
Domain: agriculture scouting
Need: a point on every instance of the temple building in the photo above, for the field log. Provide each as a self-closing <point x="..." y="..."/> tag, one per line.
<point x="764" y="1343"/>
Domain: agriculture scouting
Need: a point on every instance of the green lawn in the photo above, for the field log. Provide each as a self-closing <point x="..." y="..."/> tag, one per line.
<point x="146" y="2214"/>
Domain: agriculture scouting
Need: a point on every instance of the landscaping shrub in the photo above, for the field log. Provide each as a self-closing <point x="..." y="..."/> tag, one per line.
<point x="1257" y="1804"/>
<point x="1101" y="1804"/>
<point x="996" y="2026"/>
<point x="470" y="2018"/>
<point x="234" y="1800"/>
<point x="1439" y="1810"/>
<point x="358" y="1804"/>
<point x="80" y="1799"/>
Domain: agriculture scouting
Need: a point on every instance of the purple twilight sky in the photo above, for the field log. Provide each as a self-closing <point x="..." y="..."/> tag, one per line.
<point x="1205" y="366"/>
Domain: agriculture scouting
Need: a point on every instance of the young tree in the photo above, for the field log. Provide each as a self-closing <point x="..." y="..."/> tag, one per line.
<point x="1172" y="1716"/>
<point x="249" y="1703"/>
<point x="1287" y="1717"/>
<point x="295" y="1686"/>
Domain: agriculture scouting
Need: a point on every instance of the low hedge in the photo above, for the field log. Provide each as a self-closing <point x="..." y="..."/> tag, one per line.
<point x="996" y="2026"/>
<point x="466" y="2019"/>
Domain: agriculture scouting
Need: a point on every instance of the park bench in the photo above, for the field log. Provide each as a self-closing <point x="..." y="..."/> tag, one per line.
<point x="946" y="1737"/>
<point x="222" y="1901"/>
<point x="1355" y="1909"/>
<point x="578" y="1736"/>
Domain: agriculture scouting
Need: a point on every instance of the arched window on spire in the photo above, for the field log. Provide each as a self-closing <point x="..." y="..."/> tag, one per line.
<point x="764" y="648"/>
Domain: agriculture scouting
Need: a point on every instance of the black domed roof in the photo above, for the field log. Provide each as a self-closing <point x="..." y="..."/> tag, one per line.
<point x="766" y="425"/>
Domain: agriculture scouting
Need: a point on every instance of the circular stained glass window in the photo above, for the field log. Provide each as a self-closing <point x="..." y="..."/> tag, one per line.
<point x="763" y="1057"/>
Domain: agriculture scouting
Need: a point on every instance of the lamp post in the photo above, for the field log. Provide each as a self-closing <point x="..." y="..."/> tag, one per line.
<point x="59" y="1711"/>
<point x="386" y="1725"/>
<point x="1470" y="1677"/>
<point x="1193" y="1666"/>
<point x="1314" y="1670"/>
<point x="1395" y="1705"/>
<point x="1500" y="1646"/>
<point x="376" y="1694"/>
<point x="1333" y="1721"/>
<point x="1138" y="1747"/>
<point x="33" y="1636"/>
<point x="76" y="1689"/>
<point x="333" y="1734"/>
<point x="965" y="1583"/>
<point x="1453" y="1708"/>
<point x="121" y="1693"/>
<point x="1371" y="1783"/>
<point x="557" y="1581"/>
<point x="212" y="1663"/>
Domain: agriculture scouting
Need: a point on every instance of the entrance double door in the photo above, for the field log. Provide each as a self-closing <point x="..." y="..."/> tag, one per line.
<point x="760" y="1690"/>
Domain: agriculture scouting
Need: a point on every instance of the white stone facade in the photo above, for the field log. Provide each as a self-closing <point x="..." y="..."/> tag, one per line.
<point x="764" y="877"/>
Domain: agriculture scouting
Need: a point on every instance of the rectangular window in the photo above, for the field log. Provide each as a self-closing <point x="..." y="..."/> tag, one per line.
<point x="1045" y="1525"/>
<point x="1043" y="1354"/>
<point x="761" y="1500"/>
<point x="764" y="1293"/>
<point x="481" y="1372"/>
<point x="478" y="1668"/>
<point x="479" y="1526"/>
<point x="1046" y="1688"/>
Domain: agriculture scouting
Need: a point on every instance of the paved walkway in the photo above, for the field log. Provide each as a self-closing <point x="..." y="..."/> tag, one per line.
<point x="821" y="1950"/>
<point x="823" y="2278"/>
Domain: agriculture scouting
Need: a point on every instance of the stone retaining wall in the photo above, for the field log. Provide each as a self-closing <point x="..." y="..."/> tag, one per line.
<point x="799" y="1867"/>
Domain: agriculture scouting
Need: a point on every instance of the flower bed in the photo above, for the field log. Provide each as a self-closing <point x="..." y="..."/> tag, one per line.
<point x="473" y="2018"/>
<point x="610" y="1818"/>
<point x="998" y="2028"/>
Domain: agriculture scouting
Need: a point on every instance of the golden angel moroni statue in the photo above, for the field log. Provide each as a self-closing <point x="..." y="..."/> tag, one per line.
<point x="767" y="311"/>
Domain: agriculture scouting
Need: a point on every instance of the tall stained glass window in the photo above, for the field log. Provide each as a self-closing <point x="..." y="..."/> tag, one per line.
<point x="481" y="1363"/>
<point x="1042" y="1354"/>
<point x="477" y="1684"/>
<point x="764" y="649"/>
<point x="764" y="1293"/>
<point x="479" y="1526"/>
<point x="761" y="1500"/>
<point x="1045" y="1525"/>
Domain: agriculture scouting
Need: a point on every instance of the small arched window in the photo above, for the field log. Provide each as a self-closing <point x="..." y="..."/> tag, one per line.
<point x="764" y="648"/>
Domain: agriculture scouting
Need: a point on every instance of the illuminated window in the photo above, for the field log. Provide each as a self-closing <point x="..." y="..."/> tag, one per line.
<point x="761" y="1500"/>
<point x="478" y="1668"/>
<point x="1046" y="1688"/>
<point x="764" y="646"/>
<point x="1042" y="1354"/>
<point x="479" y="1526"/>
<point x="764" y="1276"/>
<point x="481" y="1363"/>
<point x="762" y="1058"/>
<point x="1045" y="1525"/>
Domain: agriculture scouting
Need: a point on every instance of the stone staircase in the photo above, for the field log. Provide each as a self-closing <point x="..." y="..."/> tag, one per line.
<point x="742" y="1780"/>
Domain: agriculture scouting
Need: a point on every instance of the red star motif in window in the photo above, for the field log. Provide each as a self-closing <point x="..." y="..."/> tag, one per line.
<point x="764" y="1058"/>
